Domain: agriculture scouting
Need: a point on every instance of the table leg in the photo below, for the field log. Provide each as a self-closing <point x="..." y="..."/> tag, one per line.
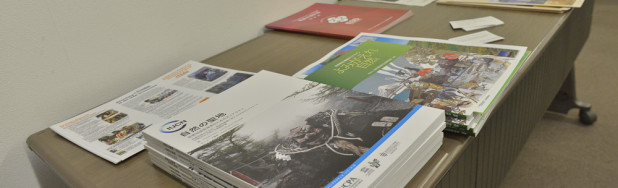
<point x="566" y="100"/>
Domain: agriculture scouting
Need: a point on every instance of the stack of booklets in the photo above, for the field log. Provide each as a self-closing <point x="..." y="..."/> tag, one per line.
<point x="274" y="130"/>
<point x="553" y="6"/>
<point x="340" y="21"/>
<point x="464" y="79"/>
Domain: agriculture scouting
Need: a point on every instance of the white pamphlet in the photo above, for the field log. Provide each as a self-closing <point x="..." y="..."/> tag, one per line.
<point x="476" y="23"/>
<point x="480" y="37"/>
<point x="113" y="130"/>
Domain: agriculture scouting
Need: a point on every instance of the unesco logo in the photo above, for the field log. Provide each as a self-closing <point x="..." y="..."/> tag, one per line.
<point x="341" y="19"/>
<point x="173" y="126"/>
<point x="337" y="19"/>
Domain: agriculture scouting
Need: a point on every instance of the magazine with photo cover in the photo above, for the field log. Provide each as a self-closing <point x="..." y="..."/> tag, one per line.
<point x="113" y="130"/>
<point x="461" y="78"/>
<point x="274" y="131"/>
<point x="400" y="173"/>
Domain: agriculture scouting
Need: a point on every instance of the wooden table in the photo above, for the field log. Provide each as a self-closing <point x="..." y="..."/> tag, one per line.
<point x="482" y="161"/>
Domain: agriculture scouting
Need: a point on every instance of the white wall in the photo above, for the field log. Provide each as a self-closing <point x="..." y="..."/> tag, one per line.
<point x="62" y="57"/>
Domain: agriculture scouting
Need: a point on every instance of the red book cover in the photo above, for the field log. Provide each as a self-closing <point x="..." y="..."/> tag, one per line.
<point x="341" y="21"/>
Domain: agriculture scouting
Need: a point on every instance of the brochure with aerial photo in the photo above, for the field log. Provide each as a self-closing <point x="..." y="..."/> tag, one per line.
<point x="113" y="130"/>
<point x="461" y="78"/>
<point x="274" y="130"/>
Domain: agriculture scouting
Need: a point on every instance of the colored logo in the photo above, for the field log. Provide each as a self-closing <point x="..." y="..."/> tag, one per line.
<point x="173" y="126"/>
<point x="375" y="163"/>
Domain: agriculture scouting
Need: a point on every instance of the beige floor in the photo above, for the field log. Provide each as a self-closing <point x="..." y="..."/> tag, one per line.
<point x="561" y="152"/>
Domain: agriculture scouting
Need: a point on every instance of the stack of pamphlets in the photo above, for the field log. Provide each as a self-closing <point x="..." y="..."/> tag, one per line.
<point x="341" y="21"/>
<point x="113" y="130"/>
<point x="462" y="78"/>
<point x="274" y="130"/>
<point x="553" y="6"/>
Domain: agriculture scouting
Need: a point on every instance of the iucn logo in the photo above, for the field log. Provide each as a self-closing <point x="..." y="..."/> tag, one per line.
<point x="350" y="182"/>
<point x="173" y="126"/>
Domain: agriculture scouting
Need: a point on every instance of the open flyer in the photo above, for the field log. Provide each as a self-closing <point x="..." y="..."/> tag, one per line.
<point x="113" y="130"/>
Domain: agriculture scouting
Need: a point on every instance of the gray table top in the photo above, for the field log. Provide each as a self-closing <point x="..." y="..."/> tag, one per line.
<point x="287" y="53"/>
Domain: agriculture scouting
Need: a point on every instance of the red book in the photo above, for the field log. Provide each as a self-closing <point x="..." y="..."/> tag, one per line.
<point x="341" y="21"/>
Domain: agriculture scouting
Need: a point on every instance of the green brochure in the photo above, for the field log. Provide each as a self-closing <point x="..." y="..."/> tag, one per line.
<point x="358" y="64"/>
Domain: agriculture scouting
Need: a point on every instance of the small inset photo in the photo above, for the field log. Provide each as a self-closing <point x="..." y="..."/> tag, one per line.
<point x="231" y="81"/>
<point x="208" y="74"/>
<point x="115" y="118"/>
<point x="159" y="97"/>
<point x="107" y="114"/>
<point x="124" y="132"/>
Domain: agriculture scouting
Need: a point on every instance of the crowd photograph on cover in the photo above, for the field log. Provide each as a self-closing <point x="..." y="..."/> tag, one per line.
<point x="440" y="75"/>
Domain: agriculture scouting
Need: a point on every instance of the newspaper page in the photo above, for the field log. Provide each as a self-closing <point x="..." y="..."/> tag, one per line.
<point x="113" y="130"/>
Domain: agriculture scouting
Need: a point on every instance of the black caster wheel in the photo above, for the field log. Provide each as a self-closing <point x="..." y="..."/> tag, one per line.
<point x="587" y="117"/>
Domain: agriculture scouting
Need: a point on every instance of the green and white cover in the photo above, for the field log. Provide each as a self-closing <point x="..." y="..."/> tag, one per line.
<point x="462" y="78"/>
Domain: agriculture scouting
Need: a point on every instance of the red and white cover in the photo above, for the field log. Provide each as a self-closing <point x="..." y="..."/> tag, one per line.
<point x="341" y="21"/>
